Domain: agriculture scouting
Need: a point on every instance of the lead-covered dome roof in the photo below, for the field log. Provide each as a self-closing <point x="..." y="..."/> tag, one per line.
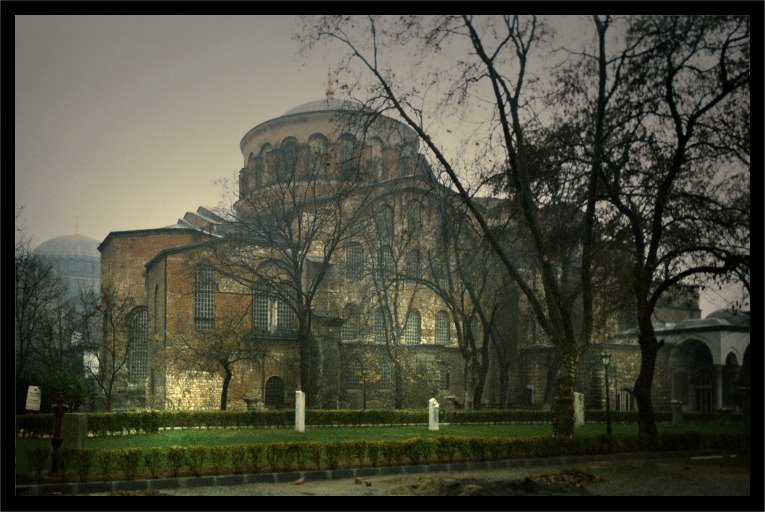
<point x="327" y="104"/>
<point x="69" y="245"/>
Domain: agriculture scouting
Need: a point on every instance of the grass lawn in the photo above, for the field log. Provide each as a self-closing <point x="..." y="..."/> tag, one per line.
<point x="166" y="438"/>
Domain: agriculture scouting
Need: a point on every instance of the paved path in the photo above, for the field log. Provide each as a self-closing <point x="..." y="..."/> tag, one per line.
<point x="687" y="475"/>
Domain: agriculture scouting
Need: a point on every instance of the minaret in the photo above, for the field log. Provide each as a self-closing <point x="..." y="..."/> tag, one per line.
<point x="330" y="89"/>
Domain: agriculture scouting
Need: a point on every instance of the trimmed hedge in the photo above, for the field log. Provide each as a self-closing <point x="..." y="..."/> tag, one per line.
<point x="37" y="425"/>
<point x="198" y="460"/>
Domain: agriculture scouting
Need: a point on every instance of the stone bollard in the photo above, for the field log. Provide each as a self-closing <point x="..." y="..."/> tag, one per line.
<point x="432" y="414"/>
<point x="578" y="409"/>
<point x="299" y="411"/>
<point x="74" y="430"/>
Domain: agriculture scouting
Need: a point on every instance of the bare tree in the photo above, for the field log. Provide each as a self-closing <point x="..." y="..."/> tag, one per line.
<point x="38" y="293"/>
<point x="219" y="349"/>
<point x="117" y="316"/>
<point x="390" y="280"/>
<point x="495" y="66"/>
<point x="679" y="182"/>
<point x="286" y="232"/>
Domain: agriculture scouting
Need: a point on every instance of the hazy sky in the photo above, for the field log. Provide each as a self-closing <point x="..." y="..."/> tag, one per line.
<point x="125" y="122"/>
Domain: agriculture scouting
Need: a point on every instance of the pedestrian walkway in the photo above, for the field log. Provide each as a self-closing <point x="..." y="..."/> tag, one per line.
<point x="211" y="482"/>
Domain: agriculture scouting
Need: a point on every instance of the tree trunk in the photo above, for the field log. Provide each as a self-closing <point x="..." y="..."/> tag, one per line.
<point x="224" y="388"/>
<point x="504" y="379"/>
<point x="478" y="391"/>
<point x="563" y="398"/>
<point x="308" y="379"/>
<point x="552" y="372"/>
<point x="649" y="348"/>
<point x="398" y="391"/>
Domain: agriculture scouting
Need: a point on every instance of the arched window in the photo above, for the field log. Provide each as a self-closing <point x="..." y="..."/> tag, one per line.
<point x="413" y="264"/>
<point x="350" y="330"/>
<point x="384" y="222"/>
<point x="387" y="263"/>
<point x="442" y="328"/>
<point x="317" y="160"/>
<point x="348" y="156"/>
<point x="414" y="218"/>
<point x="624" y="400"/>
<point x="375" y="158"/>
<point x="284" y="317"/>
<point x="268" y="170"/>
<point x="138" y="347"/>
<point x="260" y="309"/>
<point x="204" y="299"/>
<point x="156" y="308"/>
<point x="289" y="158"/>
<point x="379" y="328"/>
<point x="354" y="257"/>
<point x="412" y="328"/>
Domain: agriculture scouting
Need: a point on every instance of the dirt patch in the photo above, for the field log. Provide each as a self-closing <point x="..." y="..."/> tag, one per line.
<point x="567" y="482"/>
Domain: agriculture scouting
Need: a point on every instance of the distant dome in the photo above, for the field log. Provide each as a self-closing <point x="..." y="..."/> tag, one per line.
<point x="76" y="259"/>
<point x="732" y="316"/>
<point x="326" y="104"/>
<point x="70" y="245"/>
<point x="695" y="323"/>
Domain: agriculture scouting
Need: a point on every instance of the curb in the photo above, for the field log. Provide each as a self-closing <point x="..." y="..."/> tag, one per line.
<point x="331" y="474"/>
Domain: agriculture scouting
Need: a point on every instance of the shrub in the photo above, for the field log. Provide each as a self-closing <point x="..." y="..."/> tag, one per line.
<point x="219" y="457"/>
<point x="153" y="460"/>
<point x="374" y="451"/>
<point x="332" y="451"/>
<point x="238" y="458"/>
<point x="176" y="456"/>
<point x="195" y="458"/>
<point x="129" y="460"/>
<point x="66" y="461"/>
<point x="255" y="456"/>
<point x="106" y="460"/>
<point x="313" y="454"/>
<point x="356" y="450"/>
<point x="38" y="458"/>
<point x="279" y="456"/>
<point x="83" y="463"/>
<point x="447" y="448"/>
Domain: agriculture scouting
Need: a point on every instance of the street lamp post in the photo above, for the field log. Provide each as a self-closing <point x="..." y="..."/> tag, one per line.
<point x="606" y="358"/>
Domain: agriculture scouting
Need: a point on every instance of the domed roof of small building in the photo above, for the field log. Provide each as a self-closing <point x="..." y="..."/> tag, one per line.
<point x="69" y="245"/>
<point x="732" y="316"/>
<point x="325" y="104"/>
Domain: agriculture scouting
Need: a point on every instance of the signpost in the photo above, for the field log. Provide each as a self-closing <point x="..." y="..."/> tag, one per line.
<point x="33" y="398"/>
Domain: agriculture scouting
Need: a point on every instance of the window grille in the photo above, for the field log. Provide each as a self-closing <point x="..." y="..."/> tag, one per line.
<point x="412" y="328"/>
<point x="349" y="331"/>
<point x="442" y="328"/>
<point x="379" y="327"/>
<point x="284" y="317"/>
<point x="414" y="218"/>
<point x="353" y="260"/>
<point x="204" y="299"/>
<point x="384" y="221"/>
<point x="387" y="263"/>
<point x="260" y="310"/>
<point x="138" y="354"/>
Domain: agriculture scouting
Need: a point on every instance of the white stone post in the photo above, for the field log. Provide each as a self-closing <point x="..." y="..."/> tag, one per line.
<point x="299" y="411"/>
<point x="432" y="414"/>
<point x="578" y="409"/>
